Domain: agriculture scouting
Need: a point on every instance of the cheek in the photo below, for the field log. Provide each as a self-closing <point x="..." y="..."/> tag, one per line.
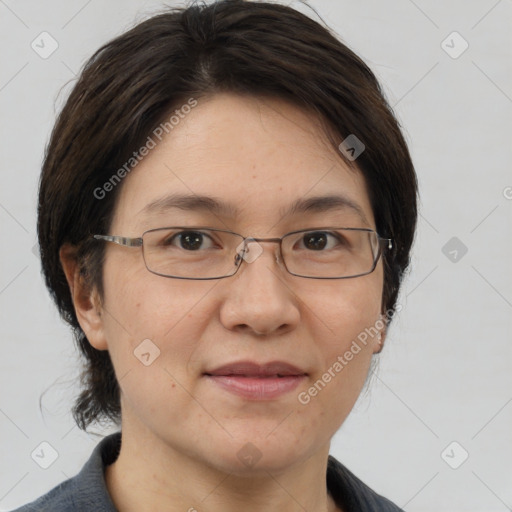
<point x="154" y="331"/>
<point x="342" y="310"/>
<point x="140" y="306"/>
<point x="343" y="321"/>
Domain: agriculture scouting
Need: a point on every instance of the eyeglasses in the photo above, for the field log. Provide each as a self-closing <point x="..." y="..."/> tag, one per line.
<point x="202" y="253"/>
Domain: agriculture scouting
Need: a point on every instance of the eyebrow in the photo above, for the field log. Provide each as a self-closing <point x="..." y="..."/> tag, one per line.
<point x="320" y="204"/>
<point x="202" y="203"/>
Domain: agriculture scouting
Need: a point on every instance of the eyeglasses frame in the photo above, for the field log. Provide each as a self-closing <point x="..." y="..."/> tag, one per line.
<point x="139" y="242"/>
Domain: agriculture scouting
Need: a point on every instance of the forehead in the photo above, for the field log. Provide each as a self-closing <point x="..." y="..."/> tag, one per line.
<point x="249" y="161"/>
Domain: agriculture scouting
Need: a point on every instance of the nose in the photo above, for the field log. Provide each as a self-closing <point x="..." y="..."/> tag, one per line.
<point x="259" y="298"/>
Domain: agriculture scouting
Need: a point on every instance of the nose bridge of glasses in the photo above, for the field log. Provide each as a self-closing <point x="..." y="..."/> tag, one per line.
<point x="250" y="248"/>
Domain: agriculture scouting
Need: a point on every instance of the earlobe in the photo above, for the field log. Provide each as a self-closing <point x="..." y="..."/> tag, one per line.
<point x="85" y="298"/>
<point x="380" y="338"/>
<point x="382" y="325"/>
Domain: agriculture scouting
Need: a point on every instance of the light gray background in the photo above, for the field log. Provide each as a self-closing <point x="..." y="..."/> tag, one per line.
<point x="445" y="373"/>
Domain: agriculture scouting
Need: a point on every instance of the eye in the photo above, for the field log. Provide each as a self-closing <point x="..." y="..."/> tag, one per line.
<point x="320" y="240"/>
<point x="189" y="240"/>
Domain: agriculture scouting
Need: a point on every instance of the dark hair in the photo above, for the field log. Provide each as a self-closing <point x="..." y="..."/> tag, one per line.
<point x="131" y="84"/>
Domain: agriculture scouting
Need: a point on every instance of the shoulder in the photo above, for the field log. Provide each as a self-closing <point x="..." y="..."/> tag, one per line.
<point x="85" y="491"/>
<point x="352" y="494"/>
<point x="60" y="498"/>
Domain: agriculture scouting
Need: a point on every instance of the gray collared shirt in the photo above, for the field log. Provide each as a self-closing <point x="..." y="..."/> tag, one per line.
<point x="87" y="491"/>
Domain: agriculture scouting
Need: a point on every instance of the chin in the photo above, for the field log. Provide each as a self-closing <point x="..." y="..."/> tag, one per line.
<point x="259" y="455"/>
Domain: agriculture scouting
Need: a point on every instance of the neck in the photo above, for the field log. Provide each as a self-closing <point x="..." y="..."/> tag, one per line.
<point x="150" y="475"/>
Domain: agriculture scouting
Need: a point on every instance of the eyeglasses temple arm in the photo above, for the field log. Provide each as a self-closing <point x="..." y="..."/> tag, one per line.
<point x="121" y="240"/>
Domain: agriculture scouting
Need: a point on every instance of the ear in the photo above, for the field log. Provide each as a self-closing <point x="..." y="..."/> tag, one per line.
<point x="86" y="300"/>
<point x="381" y="336"/>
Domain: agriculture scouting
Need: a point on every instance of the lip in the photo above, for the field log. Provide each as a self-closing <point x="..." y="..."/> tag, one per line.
<point x="253" y="369"/>
<point x="255" y="381"/>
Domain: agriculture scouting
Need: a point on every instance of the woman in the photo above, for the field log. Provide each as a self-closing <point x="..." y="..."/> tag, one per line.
<point x="226" y="213"/>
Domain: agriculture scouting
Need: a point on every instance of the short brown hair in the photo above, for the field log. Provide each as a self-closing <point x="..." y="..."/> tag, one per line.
<point x="132" y="83"/>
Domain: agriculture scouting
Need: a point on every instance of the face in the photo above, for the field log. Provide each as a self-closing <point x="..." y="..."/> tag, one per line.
<point x="259" y="157"/>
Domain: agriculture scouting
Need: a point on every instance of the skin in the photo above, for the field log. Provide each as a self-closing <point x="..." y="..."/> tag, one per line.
<point x="181" y="434"/>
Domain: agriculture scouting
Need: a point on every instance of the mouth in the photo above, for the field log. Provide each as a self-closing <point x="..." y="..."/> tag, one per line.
<point x="254" y="381"/>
